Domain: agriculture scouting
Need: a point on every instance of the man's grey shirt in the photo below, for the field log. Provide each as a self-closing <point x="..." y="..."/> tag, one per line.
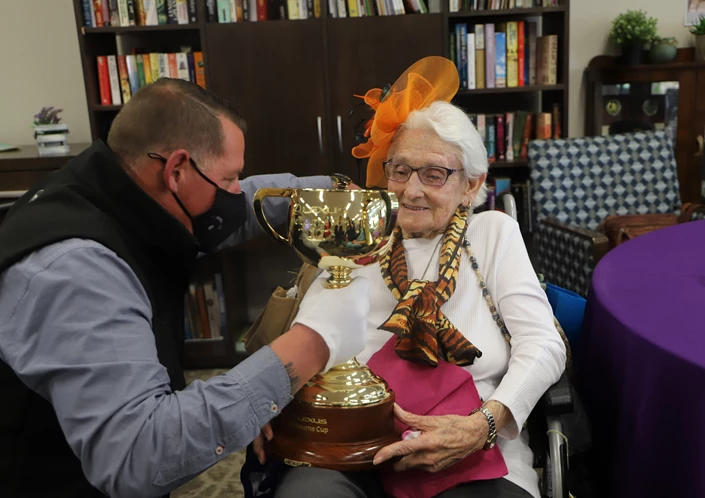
<point x="76" y="327"/>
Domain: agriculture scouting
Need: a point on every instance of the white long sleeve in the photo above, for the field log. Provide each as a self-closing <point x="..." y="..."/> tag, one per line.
<point x="516" y="376"/>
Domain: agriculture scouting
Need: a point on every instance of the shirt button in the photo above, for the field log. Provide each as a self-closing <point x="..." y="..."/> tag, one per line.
<point x="274" y="408"/>
<point x="218" y="450"/>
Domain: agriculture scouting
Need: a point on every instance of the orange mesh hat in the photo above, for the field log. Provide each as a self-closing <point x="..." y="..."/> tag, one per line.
<point x="426" y="81"/>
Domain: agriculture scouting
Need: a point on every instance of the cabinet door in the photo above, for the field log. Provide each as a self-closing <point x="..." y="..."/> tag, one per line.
<point x="699" y="158"/>
<point x="273" y="73"/>
<point x="365" y="53"/>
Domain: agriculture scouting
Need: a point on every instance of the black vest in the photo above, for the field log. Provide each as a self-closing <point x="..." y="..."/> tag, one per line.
<point x="92" y="197"/>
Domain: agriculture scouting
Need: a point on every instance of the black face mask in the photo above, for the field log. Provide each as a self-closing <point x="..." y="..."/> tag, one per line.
<point x="227" y="214"/>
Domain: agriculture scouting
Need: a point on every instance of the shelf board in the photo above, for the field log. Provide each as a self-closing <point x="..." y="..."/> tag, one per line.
<point x="105" y="108"/>
<point x="509" y="164"/>
<point x="133" y="29"/>
<point x="516" y="89"/>
<point x="508" y="12"/>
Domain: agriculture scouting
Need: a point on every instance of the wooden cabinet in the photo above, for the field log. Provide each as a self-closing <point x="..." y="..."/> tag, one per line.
<point x="273" y="72"/>
<point x="295" y="83"/>
<point x="638" y="104"/>
<point x="365" y="53"/>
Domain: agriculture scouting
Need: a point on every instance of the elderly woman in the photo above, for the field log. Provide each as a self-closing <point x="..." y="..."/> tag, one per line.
<point x="495" y="321"/>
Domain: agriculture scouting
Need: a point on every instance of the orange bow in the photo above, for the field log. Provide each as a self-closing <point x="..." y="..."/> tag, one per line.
<point x="426" y="81"/>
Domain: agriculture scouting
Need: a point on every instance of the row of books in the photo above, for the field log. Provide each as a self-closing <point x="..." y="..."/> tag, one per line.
<point x="120" y="76"/>
<point x="504" y="55"/>
<point x="506" y="136"/>
<point x="118" y="13"/>
<point x="520" y="190"/>
<point x="468" y="5"/>
<point x="205" y="315"/>
<point x="226" y="11"/>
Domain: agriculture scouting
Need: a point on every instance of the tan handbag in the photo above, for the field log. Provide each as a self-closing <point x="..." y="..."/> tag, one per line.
<point x="279" y="312"/>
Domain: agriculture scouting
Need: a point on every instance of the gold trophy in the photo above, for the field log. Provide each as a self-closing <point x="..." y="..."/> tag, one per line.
<point x="340" y="419"/>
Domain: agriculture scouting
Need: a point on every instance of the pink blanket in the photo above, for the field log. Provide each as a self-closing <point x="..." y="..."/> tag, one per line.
<point x="444" y="390"/>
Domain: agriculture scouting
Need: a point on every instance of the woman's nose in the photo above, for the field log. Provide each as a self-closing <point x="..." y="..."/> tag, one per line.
<point x="413" y="187"/>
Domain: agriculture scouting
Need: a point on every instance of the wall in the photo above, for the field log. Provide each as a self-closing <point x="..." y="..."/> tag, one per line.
<point x="47" y="68"/>
<point x="41" y="67"/>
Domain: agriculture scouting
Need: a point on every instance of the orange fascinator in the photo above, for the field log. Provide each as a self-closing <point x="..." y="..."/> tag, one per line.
<point x="426" y="81"/>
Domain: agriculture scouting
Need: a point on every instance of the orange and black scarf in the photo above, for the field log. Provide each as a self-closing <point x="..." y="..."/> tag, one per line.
<point x="423" y="332"/>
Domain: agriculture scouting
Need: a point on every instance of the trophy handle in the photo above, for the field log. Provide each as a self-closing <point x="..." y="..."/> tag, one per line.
<point x="259" y="210"/>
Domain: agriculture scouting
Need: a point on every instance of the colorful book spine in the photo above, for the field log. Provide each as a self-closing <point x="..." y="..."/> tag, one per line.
<point x="139" y="58"/>
<point x="154" y="65"/>
<point x="182" y="65"/>
<point x="200" y="69"/>
<point x="480" y="56"/>
<point x="490" y="59"/>
<point x="98" y="9"/>
<point x="512" y="54"/>
<point x="122" y="13"/>
<point x="500" y="59"/>
<point x="181" y="12"/>
<point x="472" y="83"/>
<point x="114" y="80"/>
<point x="124" y="78"/>
<point x="147" y="64"/>
<point x="161" y="12"/>
<point x="133" y="73"/>
<point x="521" y="49"/>
<point x="104" y="81"/>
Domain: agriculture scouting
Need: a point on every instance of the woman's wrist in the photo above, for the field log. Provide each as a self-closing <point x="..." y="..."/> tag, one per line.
<point x="501" y="413"/>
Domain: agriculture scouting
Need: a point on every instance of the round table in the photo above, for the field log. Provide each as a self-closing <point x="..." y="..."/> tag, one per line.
<point x="641" y="364"/>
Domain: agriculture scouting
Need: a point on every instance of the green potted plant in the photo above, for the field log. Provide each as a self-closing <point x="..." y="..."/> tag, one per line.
<point x="699" y="31"/>
<point x="632" y="30"/>
<point x="663" y="50"/>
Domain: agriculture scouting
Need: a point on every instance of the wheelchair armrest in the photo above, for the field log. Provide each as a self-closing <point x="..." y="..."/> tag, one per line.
<point x="558" y="400"/>
<point x="599" y="241"/>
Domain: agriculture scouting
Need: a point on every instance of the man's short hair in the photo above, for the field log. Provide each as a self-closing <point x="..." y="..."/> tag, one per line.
<point x="170" y="114"/>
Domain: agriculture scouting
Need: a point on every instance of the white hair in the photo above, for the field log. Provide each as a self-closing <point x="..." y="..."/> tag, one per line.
<point x="453" y="126"/>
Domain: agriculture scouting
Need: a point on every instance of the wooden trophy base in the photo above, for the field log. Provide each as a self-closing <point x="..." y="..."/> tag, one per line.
<point x="338" y="421"/>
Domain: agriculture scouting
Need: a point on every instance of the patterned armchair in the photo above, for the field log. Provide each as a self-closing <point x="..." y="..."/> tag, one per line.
<point x="578" y="182"/>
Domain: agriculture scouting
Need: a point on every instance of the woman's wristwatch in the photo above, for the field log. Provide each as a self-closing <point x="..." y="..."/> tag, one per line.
<point x="492" y="435"/>
<point x="340" y="181"/>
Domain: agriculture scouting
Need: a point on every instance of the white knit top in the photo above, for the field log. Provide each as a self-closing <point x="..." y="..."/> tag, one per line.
<point x="516" y="377"/>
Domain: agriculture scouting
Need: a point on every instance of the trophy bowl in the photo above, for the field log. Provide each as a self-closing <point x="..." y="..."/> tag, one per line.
<point x="339" y="419"/>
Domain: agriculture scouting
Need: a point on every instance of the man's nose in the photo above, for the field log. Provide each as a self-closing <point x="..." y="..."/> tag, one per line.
<point x="235" y="187"/>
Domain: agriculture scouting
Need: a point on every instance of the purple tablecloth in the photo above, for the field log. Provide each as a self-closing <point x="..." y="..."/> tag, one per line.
<point x="641" y="364"/>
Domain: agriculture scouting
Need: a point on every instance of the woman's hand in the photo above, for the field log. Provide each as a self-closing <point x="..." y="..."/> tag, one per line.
<point x="258" y="443"/>
<point x="444" y="441"/>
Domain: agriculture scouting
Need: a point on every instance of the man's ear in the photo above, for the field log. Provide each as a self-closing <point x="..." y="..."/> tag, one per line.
<point x="174" y="170"/>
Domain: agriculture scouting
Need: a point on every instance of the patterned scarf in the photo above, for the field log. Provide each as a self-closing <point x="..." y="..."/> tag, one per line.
<point x="423" y="332"/>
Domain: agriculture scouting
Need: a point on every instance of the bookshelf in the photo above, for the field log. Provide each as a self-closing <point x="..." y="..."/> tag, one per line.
<point x="295" y="81"/>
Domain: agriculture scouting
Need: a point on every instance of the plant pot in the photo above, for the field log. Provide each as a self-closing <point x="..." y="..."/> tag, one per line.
<point x="52" y="140"/>
<point x="700" y="48"/>
<point x="662" y="53"/>
<point x="633" y="53"/>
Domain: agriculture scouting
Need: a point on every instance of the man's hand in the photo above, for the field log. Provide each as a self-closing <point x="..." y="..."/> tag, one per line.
<point x="352" y="186"/>
<point x="258" y="443"/>
<point x="444" y="441"/>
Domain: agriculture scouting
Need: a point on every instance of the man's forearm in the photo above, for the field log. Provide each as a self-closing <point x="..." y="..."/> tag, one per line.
<point x="303" y="353"/>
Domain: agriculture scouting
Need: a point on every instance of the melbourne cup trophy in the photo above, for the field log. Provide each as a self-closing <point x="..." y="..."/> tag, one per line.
<point x="341" y="418"/>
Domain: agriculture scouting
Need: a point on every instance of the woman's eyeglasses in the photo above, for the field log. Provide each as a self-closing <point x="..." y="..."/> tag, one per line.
<point x="435" y="176"/>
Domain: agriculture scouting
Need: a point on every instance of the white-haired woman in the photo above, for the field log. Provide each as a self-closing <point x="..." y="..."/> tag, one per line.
<point x="487" y="294"/>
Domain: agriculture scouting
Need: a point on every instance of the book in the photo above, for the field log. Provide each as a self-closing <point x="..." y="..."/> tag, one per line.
<point x="8" y="147"/>
<point x="124" y="78"/>
<point x="490" y="58"/>
<point x="147" y="65"/>
<point x="500" y="59"/>
<point x="182" y="66"/>
<point x="480" y="56"/>
<point x="543" y="125"/>
<point x="512" y="54"/>
<point x="181" y="12"/>
<point x="104" y="81"/>
<point x="471" y="65"/>
<point x="223" y="11"/>
<point x="531" y="48"/>
<point x="200" y="69"/>
<point x="122" y="13"/>
<point x="133" y="73"/>
<point x="154" y="65"/>
<point x="140" y="70"/>
<point x="521" y="55"/>
<point x="116" y="96"/>
<point x="547" y="60"/>
<point x="161" y="12"/>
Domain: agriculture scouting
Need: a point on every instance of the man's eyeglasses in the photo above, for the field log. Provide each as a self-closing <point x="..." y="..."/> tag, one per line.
<point x="435" y="176"/>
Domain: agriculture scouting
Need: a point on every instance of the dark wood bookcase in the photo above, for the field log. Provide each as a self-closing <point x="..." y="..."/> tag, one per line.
<point x="296" y="80"/>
